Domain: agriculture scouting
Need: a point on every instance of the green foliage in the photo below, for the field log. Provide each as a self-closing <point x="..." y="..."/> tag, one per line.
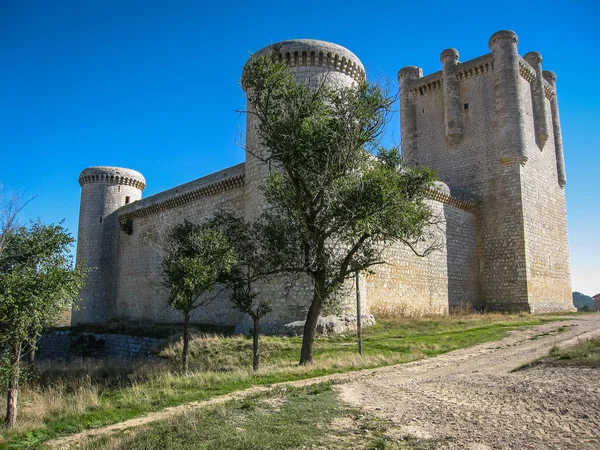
<point x="339" y="196"/>
<point x="255" y="261"/>
<point x="582" y="354"/>
<point x="37" y="281"/>
<point x="195" y="256"/>
<point x="37" y="284"/>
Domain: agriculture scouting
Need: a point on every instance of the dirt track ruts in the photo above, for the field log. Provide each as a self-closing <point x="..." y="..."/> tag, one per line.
<point x="470" y="399"/>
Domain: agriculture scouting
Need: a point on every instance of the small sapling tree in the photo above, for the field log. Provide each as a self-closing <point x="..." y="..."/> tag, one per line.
<point x="258" y="254"/>
<point x="343" y="197"/>
<point x="37" y="284"/>
<point x="195" y="255"/>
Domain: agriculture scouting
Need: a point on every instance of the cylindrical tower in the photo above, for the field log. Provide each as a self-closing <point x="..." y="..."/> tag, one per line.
<point x="538" y="99"/>
<point x="452" y="111"/>
<point x="408" y="114"/>
<point x="510" y="135"/>
<point x="550" y="77"/>
<point x="103" y="191"/>
<point x="313" y="63"/>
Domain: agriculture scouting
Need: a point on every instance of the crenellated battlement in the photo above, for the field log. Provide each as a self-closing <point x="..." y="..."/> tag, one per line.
<point x="214" y="184"/>
<point x="490" y="126"/>
<point x="314" y="53"/>
<point x="112" y="175"/>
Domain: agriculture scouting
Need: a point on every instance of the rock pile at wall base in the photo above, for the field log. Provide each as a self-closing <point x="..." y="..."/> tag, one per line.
<point x="326" y="326"/>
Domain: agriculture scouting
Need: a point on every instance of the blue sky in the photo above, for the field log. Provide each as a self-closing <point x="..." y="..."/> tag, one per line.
<point x="154" y="86"/>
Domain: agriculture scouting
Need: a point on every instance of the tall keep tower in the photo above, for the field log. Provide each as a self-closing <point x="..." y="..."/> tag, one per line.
<point x="490" y="127"/>
<point x="103" y="191"/>
<point x="313" y="63"/>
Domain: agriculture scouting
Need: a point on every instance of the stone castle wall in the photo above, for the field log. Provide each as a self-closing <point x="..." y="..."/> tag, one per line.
<point x="445" y="279"/>
<point x="140" y="293"/>
<point x="545" y="220"/>
<point x="103" y="191"/>
<point x="488" y="126"/>
<point x="481" y="137"/>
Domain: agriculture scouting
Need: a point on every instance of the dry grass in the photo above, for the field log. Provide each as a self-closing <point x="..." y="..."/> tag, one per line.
<point x="395" y="311"/>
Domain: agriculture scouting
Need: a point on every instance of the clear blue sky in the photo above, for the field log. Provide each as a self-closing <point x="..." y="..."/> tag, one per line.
<point x="154" y="86"/>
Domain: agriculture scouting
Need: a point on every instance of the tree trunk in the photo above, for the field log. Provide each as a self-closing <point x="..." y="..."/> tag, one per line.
<point x="358" y="315"/>
<point x="186" y="342"/>
<point x="310" y="327"/>
<point x="31" y="355"/>
<point x="255" y="349"/>
<point x="12" y="395"/>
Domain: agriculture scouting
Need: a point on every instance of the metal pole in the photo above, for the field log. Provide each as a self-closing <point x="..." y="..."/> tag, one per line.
<point x="358" y="315"/>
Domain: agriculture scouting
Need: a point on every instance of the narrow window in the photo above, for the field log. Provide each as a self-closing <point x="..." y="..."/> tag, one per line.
<point x="423" y="110"/>
<point x="466" y="105"/>
<point x="127" y="199"/>
<point x="100" y="219"/>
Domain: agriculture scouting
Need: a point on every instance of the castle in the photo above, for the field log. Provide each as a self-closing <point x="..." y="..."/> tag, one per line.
<point x="490" y="127"/>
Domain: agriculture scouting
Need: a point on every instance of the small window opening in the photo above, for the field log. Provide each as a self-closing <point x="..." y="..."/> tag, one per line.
<point x="466" y="106"/>
<point x="423" y="110"/>
<point x="127" y="199"/>
<point x="100" y="219"/>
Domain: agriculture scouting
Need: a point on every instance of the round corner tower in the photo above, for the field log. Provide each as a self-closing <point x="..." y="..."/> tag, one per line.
<point x="103" y="191"/>
<point x="313" y="63"/>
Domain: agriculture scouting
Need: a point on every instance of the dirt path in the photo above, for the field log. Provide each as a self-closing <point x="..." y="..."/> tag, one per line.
<point x="469" y="399"/>
<point x="405" y="393"/>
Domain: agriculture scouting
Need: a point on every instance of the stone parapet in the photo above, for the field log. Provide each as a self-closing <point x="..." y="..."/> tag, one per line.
<point x="315" y="53"/>
<point x="112" y="175"/>
<point x="213" y="184"/>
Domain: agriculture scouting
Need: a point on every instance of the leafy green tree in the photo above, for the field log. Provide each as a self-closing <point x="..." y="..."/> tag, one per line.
<point x="195" y="255"/>
<point x="37" y="284"/>
<point x="342" y="197"/>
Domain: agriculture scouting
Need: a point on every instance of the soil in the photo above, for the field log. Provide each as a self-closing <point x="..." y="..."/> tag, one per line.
<point x="465" y="399"/>
<point x="474" y="399"/>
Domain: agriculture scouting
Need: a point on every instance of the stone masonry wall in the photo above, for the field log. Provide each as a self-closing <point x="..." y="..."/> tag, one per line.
<point x="103" y="191"/>
<point x="446" y="278"/>
<point x="545" y="222"/>
<point x="140" y="293"/>
<point x="522" y="246"/>
<point x="67" y="344"/>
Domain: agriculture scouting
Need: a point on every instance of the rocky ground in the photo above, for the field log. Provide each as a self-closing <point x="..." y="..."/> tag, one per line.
<point x="473" y="398"/>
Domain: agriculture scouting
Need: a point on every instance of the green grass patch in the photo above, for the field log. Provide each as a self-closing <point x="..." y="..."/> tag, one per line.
<point x="286" y="419"/>
<point x="223" y="364"/>
<point x="583" y="354"/>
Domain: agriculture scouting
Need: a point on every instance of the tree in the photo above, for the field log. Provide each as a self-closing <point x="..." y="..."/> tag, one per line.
<point x="10" y="208"/>
<point x="195" y="255"/>
<point x="343" y="197"/>
<point x="257" y="260"/>
<point x="37" y="284"/>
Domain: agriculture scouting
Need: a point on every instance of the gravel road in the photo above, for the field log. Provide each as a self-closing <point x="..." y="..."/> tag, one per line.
<point x="470" y="399"/>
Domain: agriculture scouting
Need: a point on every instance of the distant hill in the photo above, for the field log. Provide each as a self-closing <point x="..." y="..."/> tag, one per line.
<point x="580" y="301"/>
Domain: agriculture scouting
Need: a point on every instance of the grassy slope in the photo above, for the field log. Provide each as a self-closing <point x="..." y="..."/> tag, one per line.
<point x="222" y="366"/>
